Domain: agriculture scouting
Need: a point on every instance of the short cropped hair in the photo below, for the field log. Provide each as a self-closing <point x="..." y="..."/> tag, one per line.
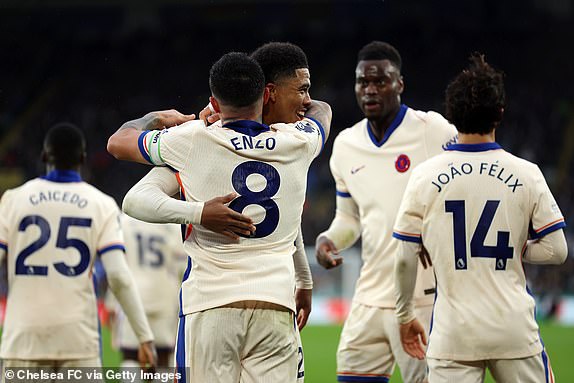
<point x="378" y="50"/>
<point x="279" y="60"/>
<point x="236" y="80"/>
<point x="64" y="146"/>
<point x="475" y="99"/>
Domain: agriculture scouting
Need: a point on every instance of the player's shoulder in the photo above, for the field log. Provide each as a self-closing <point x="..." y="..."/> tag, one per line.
<point x="98" y="195"/>
<point x="433" y="120"/>
<point x="349" y="134"/>
<point x="530" y="167"/>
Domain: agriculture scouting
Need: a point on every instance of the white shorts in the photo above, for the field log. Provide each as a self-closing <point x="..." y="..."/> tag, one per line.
<point x="534" y="369"/>
<point x="247" y="345"/>
<point x="163" y="326"/>
<point x="370" y="345"/>
<point x="48" y="366"/>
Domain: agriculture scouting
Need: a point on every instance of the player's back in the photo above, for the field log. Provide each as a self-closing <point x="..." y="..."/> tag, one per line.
<point x="154" y="253"/>
<point x="53" y="229"/>
<point x="267" y="167"/>
<point x="479" y="202"/>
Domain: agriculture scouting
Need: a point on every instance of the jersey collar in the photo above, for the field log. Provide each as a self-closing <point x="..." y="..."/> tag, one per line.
<point x="394" y="125"/>
<point x="63" y="176"/>
<point x="247" y="127"/>
<point x="474" y="147"/>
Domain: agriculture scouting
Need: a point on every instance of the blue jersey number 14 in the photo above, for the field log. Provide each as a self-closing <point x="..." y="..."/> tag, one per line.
<point x="501" y="252"/>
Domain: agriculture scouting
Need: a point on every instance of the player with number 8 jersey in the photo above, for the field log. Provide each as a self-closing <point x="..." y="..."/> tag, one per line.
<point x="263" y="165"/>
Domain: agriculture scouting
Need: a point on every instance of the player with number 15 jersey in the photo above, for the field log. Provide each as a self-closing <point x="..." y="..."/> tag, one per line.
<point x="266" y="166"/>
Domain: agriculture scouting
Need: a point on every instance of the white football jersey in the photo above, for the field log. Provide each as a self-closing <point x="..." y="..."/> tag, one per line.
<point x="473" y="208"/>
<point x="155" y="256"/>
<point x="267" y="167"/>
<point x="375" y="174"/>
<point x="52" y="228"/>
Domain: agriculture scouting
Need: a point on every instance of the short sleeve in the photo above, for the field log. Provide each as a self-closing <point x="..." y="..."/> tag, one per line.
<point x="111" y="236"/>
<point x="168" y="147"/>
<point x="314" y="131"/>
<point x="408" y="226"/>
<point x="546" y="215"/>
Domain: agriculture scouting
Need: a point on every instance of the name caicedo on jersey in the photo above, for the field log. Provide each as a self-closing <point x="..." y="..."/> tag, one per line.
<point x="58" y="196"/>
<point x="494" y="170"/>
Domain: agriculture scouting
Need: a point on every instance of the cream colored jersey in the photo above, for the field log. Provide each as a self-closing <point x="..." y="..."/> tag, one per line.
<point x="52" y="228"/>
<point x="155" y="256"/>
<point x="473" y="208"/>
<point x="267" y="167"/>
<point x="374" y="175"/>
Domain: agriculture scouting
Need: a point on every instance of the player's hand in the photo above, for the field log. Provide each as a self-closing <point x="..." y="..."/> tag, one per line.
<point x="325" y="250"/>
<point x="425" y="258"/>
<point x="167" y="118"/>
<point x="147" y="356"/>
<point x="208" y="116"/>
<point x="303" y="299"/>
<point x="219" y="218"/>
<point x="413" y="338"/>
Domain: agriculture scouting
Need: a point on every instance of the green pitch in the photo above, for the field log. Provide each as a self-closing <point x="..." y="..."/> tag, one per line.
<point x="320" y="345"/>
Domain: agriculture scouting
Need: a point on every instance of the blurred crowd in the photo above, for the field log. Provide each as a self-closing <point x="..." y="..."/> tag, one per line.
<point x="100" y="65"/>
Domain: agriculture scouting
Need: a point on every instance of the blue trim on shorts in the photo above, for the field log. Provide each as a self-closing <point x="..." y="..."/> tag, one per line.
<point x="367" y="379"/>
<point x="180" y="352"/>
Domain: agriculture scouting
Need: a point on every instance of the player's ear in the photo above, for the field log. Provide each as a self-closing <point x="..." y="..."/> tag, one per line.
<point x="400" y="85"/>
<point x="272" y="88"/>
<point x="215" y="104"/>
<point x="44" y="156"/>
<point x="265" y="96"/>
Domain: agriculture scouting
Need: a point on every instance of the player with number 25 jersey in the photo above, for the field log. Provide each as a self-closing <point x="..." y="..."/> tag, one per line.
<point x="51" y="229"/>
<point x="265" y="166"/>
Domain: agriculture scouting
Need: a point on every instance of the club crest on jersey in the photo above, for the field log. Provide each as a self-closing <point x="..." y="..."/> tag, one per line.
<point x="305" y="127"/>
<point x="403" y="163"/>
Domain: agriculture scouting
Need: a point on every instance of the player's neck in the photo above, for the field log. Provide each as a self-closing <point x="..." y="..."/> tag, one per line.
<point x="379" y="126"/>
<point x="52" y="167"/>
<point x="226" y="118"/>
<point x="466" y="138"/>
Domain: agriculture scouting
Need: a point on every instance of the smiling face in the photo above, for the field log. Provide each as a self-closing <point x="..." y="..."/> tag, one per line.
<point x="378" y="88"/>
<point x="289" y="98"/>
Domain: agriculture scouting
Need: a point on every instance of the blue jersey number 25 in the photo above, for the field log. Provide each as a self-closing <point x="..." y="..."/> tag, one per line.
<point x="62" y="242"/>
<point x="501" y="252"/>
<point x="261" y="198"/>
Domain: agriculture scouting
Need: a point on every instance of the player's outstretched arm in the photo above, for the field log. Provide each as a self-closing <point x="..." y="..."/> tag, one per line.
<point x="150" y="200"/>
<point x="321" y="111"/>
<point x="552" y="249"/>
<point x="123" y="144"/>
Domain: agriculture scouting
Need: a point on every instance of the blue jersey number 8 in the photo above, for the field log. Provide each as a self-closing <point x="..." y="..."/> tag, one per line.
<point x="261" y="198"/>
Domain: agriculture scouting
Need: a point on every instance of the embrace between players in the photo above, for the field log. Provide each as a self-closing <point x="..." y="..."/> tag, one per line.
<point x="382" y="197"/>
<point x="247" y="287"/>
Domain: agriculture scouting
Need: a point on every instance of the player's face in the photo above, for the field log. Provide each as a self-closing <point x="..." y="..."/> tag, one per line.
<point x="290" y="98"/>
<point x="378" y="88"/>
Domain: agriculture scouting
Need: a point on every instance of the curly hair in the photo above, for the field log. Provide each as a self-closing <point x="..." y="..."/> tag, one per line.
<point x="475" y="99"/>
<point x="279" y="60"/>
<point x="236" y="80"/>
<point x="378" y="50"/>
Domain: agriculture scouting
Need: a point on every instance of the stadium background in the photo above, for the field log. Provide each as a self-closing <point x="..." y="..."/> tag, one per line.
<point x="98" y="63"/>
